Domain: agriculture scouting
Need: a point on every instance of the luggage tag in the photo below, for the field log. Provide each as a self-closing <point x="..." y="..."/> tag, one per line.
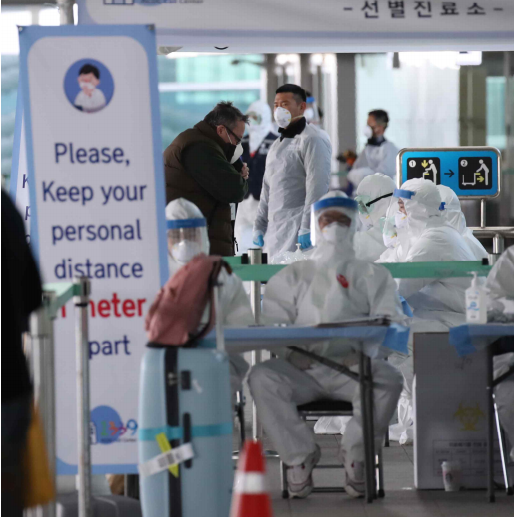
<point x="169" y="459"/>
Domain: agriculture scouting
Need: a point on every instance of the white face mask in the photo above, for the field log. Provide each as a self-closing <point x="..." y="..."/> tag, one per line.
<point x="237" y="153"/>
<point x="309" y="114"/>
<point x="282" y="117"/>
<point x="184" y="251"/>
<point x="366" y="221"/>
<point x="400" y="220"/>
<point x="86" y="85"/>
<point x="335" y="232"/>
<point x="368" y="132"/>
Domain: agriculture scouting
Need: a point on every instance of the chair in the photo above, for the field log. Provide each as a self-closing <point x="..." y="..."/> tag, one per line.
<point x="329" y="407"/>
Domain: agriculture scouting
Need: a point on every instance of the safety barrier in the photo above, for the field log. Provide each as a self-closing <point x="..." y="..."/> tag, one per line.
<point x="263" y="272"/>
<point x="41" y="357"/>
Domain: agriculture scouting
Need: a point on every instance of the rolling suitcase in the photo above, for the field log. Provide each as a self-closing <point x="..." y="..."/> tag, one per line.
<point x="185" y="393"/>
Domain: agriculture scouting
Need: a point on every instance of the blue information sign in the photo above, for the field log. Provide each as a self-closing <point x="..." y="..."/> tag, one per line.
<point x="471" y="172"/>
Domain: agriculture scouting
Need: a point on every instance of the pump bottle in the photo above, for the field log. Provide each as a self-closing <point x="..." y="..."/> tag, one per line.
<point x="476" y="302"/>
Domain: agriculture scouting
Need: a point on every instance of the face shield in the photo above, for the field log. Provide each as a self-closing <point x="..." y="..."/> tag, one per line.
<point x="333" y="220"/>
<point x="396" y="217"/>
<point x="367" y="206"/>
<point x="187" y="238"/>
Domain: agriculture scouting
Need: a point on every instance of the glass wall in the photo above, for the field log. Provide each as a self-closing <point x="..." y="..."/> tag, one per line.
<point x="189" y="84"/>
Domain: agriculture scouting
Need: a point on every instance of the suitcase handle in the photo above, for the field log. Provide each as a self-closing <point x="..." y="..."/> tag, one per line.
<point x="187" y="436"/>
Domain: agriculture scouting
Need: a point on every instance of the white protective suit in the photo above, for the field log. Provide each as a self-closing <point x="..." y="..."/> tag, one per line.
<point x="500" y="283"/>
<point x="369" y="243"/>
<point x="297" y="175"/>
<point x="437" y="303"/>
<point x="184" y="221"/>
<point x="247" y="209"/>
<point x="431" y="240"/>
<point x="453" y="216"/>
<point x="334" y="285"/>
<point x="373" y="159"/>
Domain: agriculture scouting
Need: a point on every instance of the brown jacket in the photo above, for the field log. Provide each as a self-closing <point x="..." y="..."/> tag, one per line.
<point x="197" y="169"/>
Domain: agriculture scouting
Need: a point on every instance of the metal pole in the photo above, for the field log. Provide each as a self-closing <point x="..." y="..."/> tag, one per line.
<point x="81" y="302"/>
<point x="368" y="460"/>
<point x="255" y="255"/>
<point x="220" y="336"/>
<point x="43" y="364"/>
<point x="66" y="11"/>
<point x="482" y="213"/>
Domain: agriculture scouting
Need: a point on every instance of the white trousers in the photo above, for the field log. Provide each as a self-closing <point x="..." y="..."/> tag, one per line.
<point x="238" y="368"/>
<point x="277" y="387"/>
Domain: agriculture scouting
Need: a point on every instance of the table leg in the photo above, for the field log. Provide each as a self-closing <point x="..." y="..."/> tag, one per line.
<point x="490" y="427"/>
<point x="368" y="460"/>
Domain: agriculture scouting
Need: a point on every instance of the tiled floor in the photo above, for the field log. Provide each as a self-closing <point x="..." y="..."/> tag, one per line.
<point x="402" y="499"/>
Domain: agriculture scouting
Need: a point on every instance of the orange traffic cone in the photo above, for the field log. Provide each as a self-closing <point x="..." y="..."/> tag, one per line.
<point x="250" y="498"/>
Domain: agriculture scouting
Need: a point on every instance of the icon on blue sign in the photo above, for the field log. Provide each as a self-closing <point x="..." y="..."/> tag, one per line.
<point x="475" y="173"/>
<point x="428" y="168"/>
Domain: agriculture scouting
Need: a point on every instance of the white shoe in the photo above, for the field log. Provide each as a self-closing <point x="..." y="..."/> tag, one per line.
<point x="355" y="485"/>
<point x="299" y="477"/>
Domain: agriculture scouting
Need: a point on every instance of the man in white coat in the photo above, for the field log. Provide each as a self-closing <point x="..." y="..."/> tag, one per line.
<point x="379" y="155"/>
<point x="334" y="285"/>
<point x="297" y="174"/>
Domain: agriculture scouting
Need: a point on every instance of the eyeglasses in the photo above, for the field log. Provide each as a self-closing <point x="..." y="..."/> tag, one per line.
<point x="238" y="140"/>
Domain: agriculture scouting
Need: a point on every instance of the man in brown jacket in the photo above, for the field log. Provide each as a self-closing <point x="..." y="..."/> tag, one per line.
<point x="203" y="165"/>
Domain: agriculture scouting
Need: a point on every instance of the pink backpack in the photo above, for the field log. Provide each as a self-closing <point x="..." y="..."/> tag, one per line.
<point x="175" y="315"/>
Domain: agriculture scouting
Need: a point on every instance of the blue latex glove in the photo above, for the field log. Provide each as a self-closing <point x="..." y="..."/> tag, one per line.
<point x="305" y="241"/>
<point x="259" y="240"/>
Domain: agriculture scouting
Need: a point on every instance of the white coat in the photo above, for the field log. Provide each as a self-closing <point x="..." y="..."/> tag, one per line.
<point x="374" y="158"/>
<point x="297" y="175"/>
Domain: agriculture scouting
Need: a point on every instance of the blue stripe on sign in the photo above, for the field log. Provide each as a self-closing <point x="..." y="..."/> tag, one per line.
<point x="176" y="433"/>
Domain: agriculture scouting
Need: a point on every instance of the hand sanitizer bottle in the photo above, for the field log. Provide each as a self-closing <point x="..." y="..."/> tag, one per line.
<point x="476" y="303"/>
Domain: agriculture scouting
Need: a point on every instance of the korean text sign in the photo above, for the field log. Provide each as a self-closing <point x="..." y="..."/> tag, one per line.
<point x="97" y="209"/>
<point x="322" y="26"/>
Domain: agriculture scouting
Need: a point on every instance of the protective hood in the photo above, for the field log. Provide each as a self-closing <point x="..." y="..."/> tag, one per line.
<point x="187" y="233"/>
<point x="259" y="123"/>
<point x="373" y="196"/>
<point x="452" y="213"/>
<point x="422" y="201"/>
<point x="335" y="242"/>
<point x="422" y="208"/>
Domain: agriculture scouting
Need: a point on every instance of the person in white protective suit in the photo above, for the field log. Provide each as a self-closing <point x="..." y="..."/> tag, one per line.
<point x="453" y="216"/>
<point x="379" y="155"/>
<point x="415" y="226"/>
<point x="187" y="237"/>
<point x="297" y="174"/>
<point x="334" y="285"/>
<point x="373" y="196"/>
<point x="256" y="145"/>
<point x="500" y="284"/>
